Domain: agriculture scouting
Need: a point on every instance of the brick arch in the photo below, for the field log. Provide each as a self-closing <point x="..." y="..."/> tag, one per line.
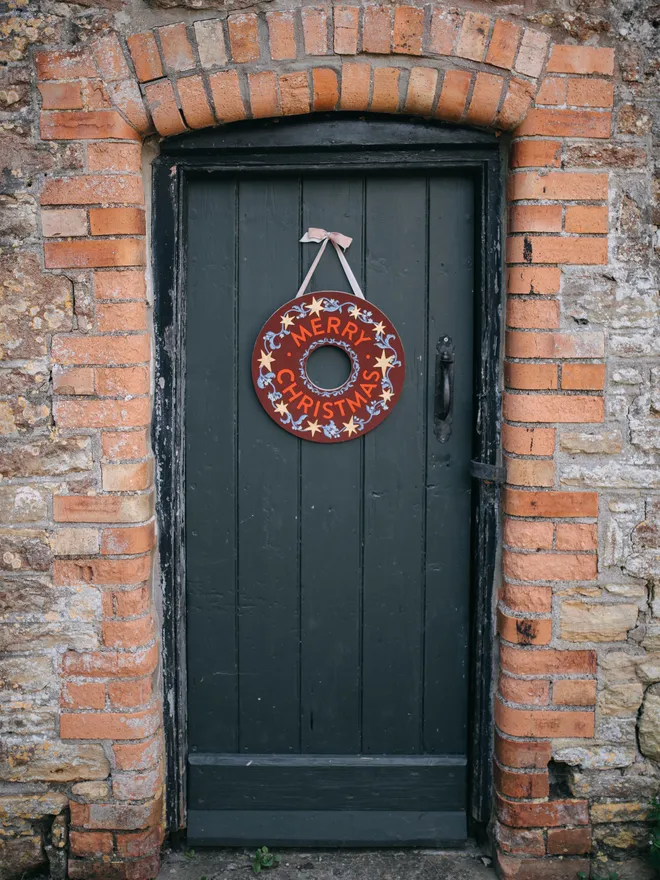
<point x="431" y="61"/>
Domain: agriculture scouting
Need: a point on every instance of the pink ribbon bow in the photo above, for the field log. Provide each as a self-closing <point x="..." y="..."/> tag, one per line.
<point x="320" y="235"/>
<point x="340" y="242"/>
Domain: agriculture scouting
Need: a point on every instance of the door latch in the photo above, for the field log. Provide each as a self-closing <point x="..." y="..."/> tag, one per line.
<point x="444" y="388"/>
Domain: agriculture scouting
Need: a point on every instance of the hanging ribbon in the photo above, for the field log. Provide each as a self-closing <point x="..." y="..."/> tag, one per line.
<point x="340" y="243"/>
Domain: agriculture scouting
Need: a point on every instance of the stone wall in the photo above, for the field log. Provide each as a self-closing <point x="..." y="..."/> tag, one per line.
<point x="577" y="751"/>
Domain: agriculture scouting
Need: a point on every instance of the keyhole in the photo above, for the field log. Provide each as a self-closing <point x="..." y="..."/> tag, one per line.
<point x="328" y="367"/>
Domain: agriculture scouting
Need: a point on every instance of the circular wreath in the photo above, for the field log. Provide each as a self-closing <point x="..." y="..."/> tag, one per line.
<point x="307" y="323"/>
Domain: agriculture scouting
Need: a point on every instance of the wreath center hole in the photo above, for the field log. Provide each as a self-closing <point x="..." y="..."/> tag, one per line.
<point x="328" y="367"/>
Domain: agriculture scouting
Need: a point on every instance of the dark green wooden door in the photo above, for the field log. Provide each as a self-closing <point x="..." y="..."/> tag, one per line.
<point x="327" y="586"/>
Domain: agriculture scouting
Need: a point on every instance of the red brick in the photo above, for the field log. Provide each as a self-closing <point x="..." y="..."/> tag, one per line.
<point x="455" y="88"/>
<point x="554" y="345"/>
<point x="550" y="566"/>
<point x="385" y="91"/>
<point x="127" y="476"/>
<point x="569" y="692"/>
<point x="326" y="89"/>
<point x="61" y="96"/>
<point x="93" y="254"/>
<point x="226" y="94"/>
<point x="129" y="285"/>
<point x="538" y="280"/>
<point x="140" y="844"/>
<point x="90" y="843"/>
<point x="64" y="223"/>
<point x="523" y="630"/>
<point x="93" y="189"/>
<point x="128" y="633"/>
<point x="583" y="377"/>
<point x="517" y="753"/>
<point x="122" y="381"/>
<point x="377" y="36"/>
<point x="535" y="218"/>
<point x="581" y="59"/>
<point x="177" y="51"/>
<point x="515" y="784"/>
<point x="102" y="413"/>
<point x="78" y="125"/>
<point x="552" y="91"/>
<point x="408" y="30"/>
<point x="551" y="504"/>
<point x="111" y="317"/>
<point x="102" y="508"/>
<point x="528" y="441"/>
<point x="445" y="28"/>
<point x="569" y="841"/>
<point x="118" y="542"/>
<point x="294" y="93"/>
<point x="194" y="102"/>
<point x="586" y="218"/>
<point x="526" y="472"/>
<point x="131" y="603"/>
<point x="137" y="786"/>
<point x="421" y="91"/>
<point x="532" y="314"/>
<point x="541" y="154"/>
<point x="566" y="123"/>
<point x="124" y="444"/>
<point x="485" y="99"/>
<point x="89" y="695"/>
<point x="130" y="693"/>
<point x="553" y="408"/>
<point x="571" y="185"/>
<point x="109" y="725"/>
<point x="112" y="663"/>
<point x="590" y="93"/>
<point x="163" y="107"/>
<point x="119" y="817"/>
<point x="528" y="535"/>
<point x="114" y="157"/>
<point x="544" y="723"/>
<point x="503" y="44"/>
<point x="137" y="756"/>
<point x="281" y="35"/>
<point x="79" y="380"/>
<point x="577" y="536"/>
<point x="110" y="58"/>
<point x="146" y="58"/>
<point x="547" y="815"/>
<point x="517" y="101"/>
<point x="345" y="30"/>
<point x="526" y="842"/>
<point x="531" y="55"/>
<point x="264" y="98"/>
<point x="474" y="36"/>
<point x="117" y="221"/>
<point x="355" y="83"/>
<point x="101" y="572"/>
<point x="315" y="30"/>
<point x="65" y="65"/>
<point x="544" y="661"/>
<point x="527" y="692"/>
<point x="571" y="250"/>
<point x="518" y="597"/>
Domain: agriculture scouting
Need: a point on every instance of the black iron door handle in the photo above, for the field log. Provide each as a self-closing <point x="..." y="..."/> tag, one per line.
<point x="444" y="388"/>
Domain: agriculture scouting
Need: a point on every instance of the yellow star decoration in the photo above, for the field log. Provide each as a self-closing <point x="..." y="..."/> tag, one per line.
<point x="379" y="328"/>
<point x="266" y="360"/>
<point x="354" y="312"/>
<point x="350" y="427"/>
<point x="387" y="395"/>
<point x="313" y="428"/>
<point x="316" y="306"/>
<point x="383" y="363"/>
<point x="287" y="321"/>
<point x="282" y="408"/>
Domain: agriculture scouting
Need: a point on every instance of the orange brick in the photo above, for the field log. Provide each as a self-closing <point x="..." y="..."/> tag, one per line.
<point x="553" y="408"/>
<point x="315" y="30"/>
<point x="194" y="102"/>
<point x="534" y="692"/>
<point x="552" y="91"/>
<point x="226" y="93"/>
<point x="244" y="37"/>
<point x="526" y="472"/>
<point x="377" y="36"/>
<point x="518" y="502"/>
<point x="521" y="785"/>
<point x="532" y="314"/>
<point x="109" y="725"/>
<point x="177" y="51"/>
<point x="574" y="693"/>
<point x="455" y="88"/>
<point x="136" y="756"/>
<point x="345" y="30"/>
<point x="119" y="542"/>
<point x="544" y="661"/>
<point x="572" y="250"/>
<point x="557" y="345"/>
<point x="127" y="477"/>
<point x="528" y="441"/>
<point x="526" y="598"/>
<point x="524" y="630"/>
<point x="528" y="535"/>
<point x="264" y="97"/>
<point x="583" y="377"/>
<point x="533" y="279"/>
<point x="408" y="30"/>
<point x="385" y="91"/>
<point x="544" y="723"/>
<point x="110" y="58"/>
<point x="529" y="345"/>
<point x="566" y="123"/>
<point x="102" y="508"/>
<point x="535" y="218"/>
<point x="485" y="99"/>
<point x="281" y="35"/>
<point x="80" y="380"/>
<point x="85" y="254"/>
<point x="128" y="634"/>
<point x="124" y="445"/>
<point x="78" y="125"/>
<point x="503" y="44"/>
<point x="65" y="65"/>
<point x="163" y="107"/>
<point x="111" y="317"/>
<point x="528" y="377"/>
<point x="132" y="603"/>
<point x="518" y="753"/>
<point x="518" y="814"/>
<point x="550" y="566"/>
<point x="146" y="58"/>
<point x="102" y="413"/>
<point x="117" y="221"/>
<point x="421" y="91"/>
<point x="517" y="101"/>
<point x="531" y="55"/>
<point x="115" y="285"/>
<point x="61" y="96"/>
<point x="120" y="381"/>
<point x="581" y="59"/>
<point x="111" y="663"/>
<point x="140" y="844"/>
<point x="129" y="694"/>
<point x="474" y="36"/>
<point x="90" y="843"/>
<point x="541" y="154"/>
<point x="355" y="83"/>
<point x="445" y="28"/>
<point x="326" y="89"/>
<point x="590" y="93"/>
<point x="577" y="536"/>
<point x="101" y="572"/>
<point x="90" y="695"/>
<point x="294" y="93"/>
<point x="586" y="219"/>
<point x="571" y="185"/>
<point x="569" y="841"/>
<point x="114" y="157"/>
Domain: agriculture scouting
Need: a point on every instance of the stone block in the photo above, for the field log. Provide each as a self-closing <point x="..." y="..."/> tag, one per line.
<point x="582" y="622"/>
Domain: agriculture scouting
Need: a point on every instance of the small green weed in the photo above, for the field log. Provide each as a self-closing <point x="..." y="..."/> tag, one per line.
<point x="264" y="859"/>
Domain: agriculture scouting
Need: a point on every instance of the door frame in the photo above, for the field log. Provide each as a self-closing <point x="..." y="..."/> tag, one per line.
<point x="315" y="142"/>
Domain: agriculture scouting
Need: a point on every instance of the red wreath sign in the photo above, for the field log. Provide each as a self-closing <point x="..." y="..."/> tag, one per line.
<point x="328" y="318"/>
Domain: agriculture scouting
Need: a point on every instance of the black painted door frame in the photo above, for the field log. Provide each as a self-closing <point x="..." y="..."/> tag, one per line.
<point x="316" y="142"/>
